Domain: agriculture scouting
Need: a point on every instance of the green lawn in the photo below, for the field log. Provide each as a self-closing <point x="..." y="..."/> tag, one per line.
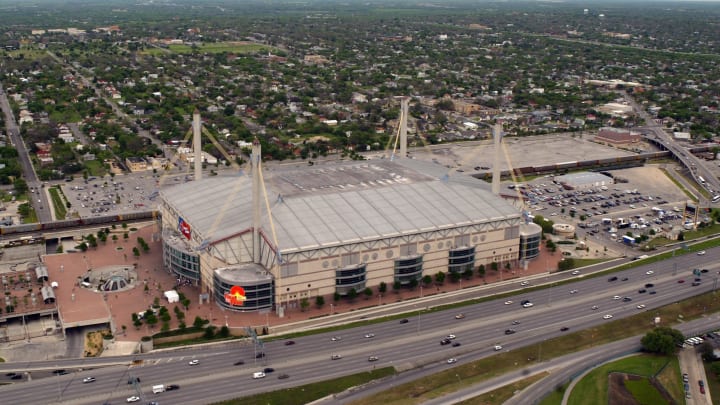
<point x="593" y="388"/>
<point x="644" y="392"/>
<point x="58" y="203"/>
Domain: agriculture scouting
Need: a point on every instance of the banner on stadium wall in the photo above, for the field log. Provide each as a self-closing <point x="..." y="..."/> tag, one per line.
<point x="184" y="228"/>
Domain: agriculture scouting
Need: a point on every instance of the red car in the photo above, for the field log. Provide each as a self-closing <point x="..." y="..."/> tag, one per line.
<point x="681" y="281"/>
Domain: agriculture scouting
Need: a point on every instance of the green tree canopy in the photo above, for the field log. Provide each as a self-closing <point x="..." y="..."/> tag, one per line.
<point x="662" y="340"/>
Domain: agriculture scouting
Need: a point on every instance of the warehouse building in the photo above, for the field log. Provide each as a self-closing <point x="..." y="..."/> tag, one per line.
<point x="584" y="180"/>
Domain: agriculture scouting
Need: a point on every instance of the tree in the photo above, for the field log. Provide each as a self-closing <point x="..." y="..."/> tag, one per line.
<point x="413" y="283"/>
<point x="319" y="301"/>
<point x="304" y="304"/>
<point x="440" y="277"/>
<point x="467" y="273"/>
<point x="494" y="266"/>
<point x="368" y="293"/>
<point x="382" y="287"/>
<point x="224" y="332"/>
<point x="336" y="296"/>
<point x="481" y="270"/>
<point x="427" y="280"/>
<point x="454" y="276"/>
<point x="198" y="322"/>
<point x="397" y="286"/>
<point x="352" y="294"/>
<point x="662" y="340"/>
<point x="566" y="263"/>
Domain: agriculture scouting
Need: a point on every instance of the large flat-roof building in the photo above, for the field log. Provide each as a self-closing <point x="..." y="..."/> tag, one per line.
<point x="274" y="237"/>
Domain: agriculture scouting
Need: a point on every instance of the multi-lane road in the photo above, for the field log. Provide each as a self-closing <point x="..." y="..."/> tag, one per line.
<point x="404" y="346"/>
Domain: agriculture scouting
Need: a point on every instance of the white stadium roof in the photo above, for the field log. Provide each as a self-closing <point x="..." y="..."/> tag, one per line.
<point x="324" y="206"/>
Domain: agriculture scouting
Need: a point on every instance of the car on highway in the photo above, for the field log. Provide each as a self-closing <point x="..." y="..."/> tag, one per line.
<point x="625" y="279"/>
<point x="460" y="316"/>
<point x="450" y="337"/>
<point x="369" y="335"/>
<point x="653" y="292"/>
<point x="451" y="360"/>
<point x="283" y="376"/>
<point x="172" y="387"/>
<point x="527" y="304"/>
<point x="576" y="272"/>
<point x="497" y="348"/>
<point x="617" y="297"/>
<point x="510" y="331"/>
<point x="649" y="272"/>
<point x="564" y="329"/>
<point x="268" y="370"/>
<point x="508" y="302"/>
<point x="404" y="321"/>
<point x="335" y="357"/>
<point x="456" y="344"/>
<point x="194" y="362"/>
<point x="681" y="281"/>
<point x="641" y="306"/>
<point x="445" y="341"/>
<point x="88" y="380"/>
<point x="516" y="322"/>
<point x="133" y="380"/>
<point x="642" y="291"/>
<point x="336" y="338"/>
<point x="258" y="374"/>
<point x="239" y="363"/>
<point x="613" y="278"/>
<point x="649" y="285"/>
<point x="594" y="307"/>
<point x="289" y="343"/>
<point x="260" y="355"/>
<point x="701" y="253"/>
<point x="373" y="358"/>
<point x="525" y="283"/>
<point x="607" y="316"/>
<point x="132" y="399"/>
<point x="573" y="291"/>
<point x="627" y="299"/>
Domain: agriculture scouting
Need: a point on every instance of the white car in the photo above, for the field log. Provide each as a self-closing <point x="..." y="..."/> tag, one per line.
<point x="451" y="337"/>
<point x="573" y="291"/>
<point x="132" y="399"/>
<point x="370" y="335"/>
<point x="528" y="305"/>
<point x="594" y="307"/>
<point x="194" y="362"/>
<point x="335" y="357"/>
<point x="497" y="348"/>
<point x="452" y="360"/>
<point x="641" y="306"/>
<point x="88" y="379"/>
<point x="617" y="297"/>
<point x="608" y="316"/>
<point x="524" y="283"/>
<point x="508" y="302"/>
<point x="701" y="253"/>
<point x="576" y="272"/>
<point x="649" y="272"/>
<point x="336" y="338"/>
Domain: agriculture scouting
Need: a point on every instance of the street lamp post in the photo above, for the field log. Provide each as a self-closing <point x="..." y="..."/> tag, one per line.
<point x="332" y="309"/>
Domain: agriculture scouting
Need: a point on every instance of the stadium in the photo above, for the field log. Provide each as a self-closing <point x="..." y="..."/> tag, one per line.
<point x="268" y="239"/>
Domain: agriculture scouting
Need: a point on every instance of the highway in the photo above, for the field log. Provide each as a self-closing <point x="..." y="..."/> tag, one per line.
<point x="39" y="201"/>
<point x="404" y="346"/>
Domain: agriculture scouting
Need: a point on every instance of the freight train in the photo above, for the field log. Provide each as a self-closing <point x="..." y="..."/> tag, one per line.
<point x="606" y="164"/>
<point x="77" y="222"/>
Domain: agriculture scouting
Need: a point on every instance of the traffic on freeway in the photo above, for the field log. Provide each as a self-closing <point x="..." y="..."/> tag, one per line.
<point x="205" y="373"/>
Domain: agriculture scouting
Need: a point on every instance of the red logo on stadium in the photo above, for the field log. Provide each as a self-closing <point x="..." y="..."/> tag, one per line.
<point x="236" y="296"/>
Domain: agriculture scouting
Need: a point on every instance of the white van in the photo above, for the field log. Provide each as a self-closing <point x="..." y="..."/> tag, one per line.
<point x="258" y="374"/>
<point x="158" y="388"/>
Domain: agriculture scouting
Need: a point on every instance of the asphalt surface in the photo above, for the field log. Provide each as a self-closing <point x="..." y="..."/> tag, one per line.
<point x="405" y="346"/>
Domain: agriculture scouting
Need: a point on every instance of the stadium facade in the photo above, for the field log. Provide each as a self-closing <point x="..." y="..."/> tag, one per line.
<point x="273" y="237"/>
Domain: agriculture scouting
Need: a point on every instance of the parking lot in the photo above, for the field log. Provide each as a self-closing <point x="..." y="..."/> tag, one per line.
<point x="648" y="203"/>
<point x="119" y="194"/>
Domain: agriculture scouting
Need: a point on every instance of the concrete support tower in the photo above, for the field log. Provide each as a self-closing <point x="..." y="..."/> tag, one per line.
<point x="404" y="102"/>
<point x="256" y="183"/>
<point x="197" y="147"/>
<point x="497" y="138"/>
